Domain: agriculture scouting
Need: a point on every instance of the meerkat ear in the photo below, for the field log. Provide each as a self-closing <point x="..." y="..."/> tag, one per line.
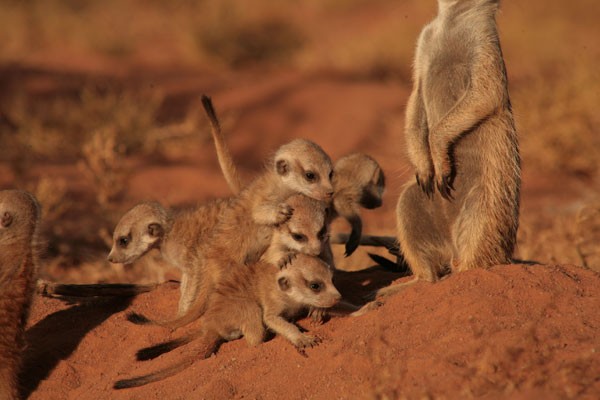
<point x="7" y="219"/>
<point x="155" y="230"/>
<point x="282" y="167"/>
<point x="284" y="283"/>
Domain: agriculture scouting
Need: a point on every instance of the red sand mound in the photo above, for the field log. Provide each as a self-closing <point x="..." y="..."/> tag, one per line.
<point x="511" y="331"/>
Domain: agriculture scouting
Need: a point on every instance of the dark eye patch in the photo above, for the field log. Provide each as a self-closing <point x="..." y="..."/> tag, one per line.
<point x="311" y="176"/>
<point x="298" y="237"/>
<point x="316" y="286"/>
<point x="123" y="241"/>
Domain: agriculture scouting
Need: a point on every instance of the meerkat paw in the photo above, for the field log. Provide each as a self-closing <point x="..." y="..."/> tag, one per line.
<point x="317" y="315"/>
<point x="304" y="341"/>
<point x="284" y="213"/>
<point x="425" y="182"/>
<point x="444" y="178"/>
<point x="373" y="305"/>
<point x="445" y="185"/>
<point x="287" y="259"/>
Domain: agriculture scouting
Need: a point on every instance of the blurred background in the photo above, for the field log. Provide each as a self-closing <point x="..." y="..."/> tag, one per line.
<point x="99" y="109"/>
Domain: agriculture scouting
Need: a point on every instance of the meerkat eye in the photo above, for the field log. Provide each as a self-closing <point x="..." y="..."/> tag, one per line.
<point x="310" y="176"/>
<point x="322" y="233"/>
<point x="298" y="237"/>
<point x="331" y="175"/>
<point x="316" y="286"/>
<point x="123" y="241"/>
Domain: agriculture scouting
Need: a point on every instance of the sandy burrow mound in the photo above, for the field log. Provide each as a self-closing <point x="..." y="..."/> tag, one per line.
<point x="507" y="332"/>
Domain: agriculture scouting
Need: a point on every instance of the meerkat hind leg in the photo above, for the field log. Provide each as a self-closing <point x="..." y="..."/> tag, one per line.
<point x="423" y="242"/>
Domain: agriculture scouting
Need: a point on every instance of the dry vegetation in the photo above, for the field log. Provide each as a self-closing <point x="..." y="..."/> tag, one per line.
<point x="102" y="117"/>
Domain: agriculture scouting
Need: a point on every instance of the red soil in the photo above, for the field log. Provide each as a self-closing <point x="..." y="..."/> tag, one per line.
<point x="511" y="331"/>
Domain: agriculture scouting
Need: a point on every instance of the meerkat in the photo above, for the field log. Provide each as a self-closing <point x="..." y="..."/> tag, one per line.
<point x="358" y="181"/>
<point x="463" y="210"/>
<point x="245" y="227"/>
<point x="19" y="216"/>
<point x="305" y="232"/>
<point x="178" y="236"/>
<point x="248" y="300"/>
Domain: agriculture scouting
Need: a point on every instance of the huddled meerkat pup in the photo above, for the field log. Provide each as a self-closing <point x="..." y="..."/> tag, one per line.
<point x="358" y="180"/>
<point x="305" y="232"/>
<point x="244" y="230"/>
<point x="19" y="215"/>
<point x="463" y="211"/>
<point x="248" y="300"/>
<point x="178" y="235"/>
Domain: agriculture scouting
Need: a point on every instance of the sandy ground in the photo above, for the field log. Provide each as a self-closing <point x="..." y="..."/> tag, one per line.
<point x="513" y="331"/>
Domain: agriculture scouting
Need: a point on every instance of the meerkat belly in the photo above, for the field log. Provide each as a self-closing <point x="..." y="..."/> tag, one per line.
<point x="446" y="80"/>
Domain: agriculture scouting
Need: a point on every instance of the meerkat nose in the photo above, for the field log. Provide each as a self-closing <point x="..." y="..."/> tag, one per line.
<point x="110" y="258"/>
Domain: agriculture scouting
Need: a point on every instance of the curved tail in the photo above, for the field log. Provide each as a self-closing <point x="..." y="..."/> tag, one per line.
<point x="213" y="343"/>
<point x="225" y="160"/>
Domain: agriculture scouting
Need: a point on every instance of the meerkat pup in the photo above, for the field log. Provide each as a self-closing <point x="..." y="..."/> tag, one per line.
<point x="462" y="141"/>
<point x="358" y="180"/>
<point x="178" y="236"/>
<point x="248" y="300"/>
<point x="245" y="227"/>
<point x="305" y="232"/>
<point x="19" y="215"/>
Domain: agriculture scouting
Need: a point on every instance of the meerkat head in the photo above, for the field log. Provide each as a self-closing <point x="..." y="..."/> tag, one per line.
<point x="141" y="229"/>
<point x="19" y="213"/>
<point x="360" y="174"/>
<point x="304" y="167"/>
<point x="307" y="229"/>
<point x="308" y="281"/>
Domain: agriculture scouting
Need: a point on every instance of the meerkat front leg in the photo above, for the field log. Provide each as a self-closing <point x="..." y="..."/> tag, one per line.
<point x="483" y="97"/>
<point x="290" y="331"/>
<point x="268" y="214"/>
<point x="417" y="141"/>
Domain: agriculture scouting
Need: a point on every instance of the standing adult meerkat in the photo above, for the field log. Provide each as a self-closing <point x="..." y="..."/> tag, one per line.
<point x="19" y="215"/>
<point x="358" y="180"/>
<point x="248" y="300"/>
<point x="462" y="141"/>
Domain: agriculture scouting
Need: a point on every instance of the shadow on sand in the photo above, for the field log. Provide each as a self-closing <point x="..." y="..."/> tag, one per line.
<point x="55" y="337"/>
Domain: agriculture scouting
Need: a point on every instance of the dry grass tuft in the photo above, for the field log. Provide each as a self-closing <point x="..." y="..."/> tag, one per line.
<point x="102" y="163"/>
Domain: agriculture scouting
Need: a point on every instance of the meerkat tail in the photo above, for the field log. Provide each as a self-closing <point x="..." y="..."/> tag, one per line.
<point x="169" y="371"/>
<point x="155" y="376"/>
<point x="149" y="353"/>
<point x="355" y="235"/>
<point x="52" y="289"/>
<point x="389" y="242"/>
<point x="225" y="159"/>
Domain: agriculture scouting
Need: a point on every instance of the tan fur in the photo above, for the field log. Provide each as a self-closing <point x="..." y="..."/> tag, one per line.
<point x="306" y="231"/>
<point x="19" y="215"/>
<point x="245" y="227"/>
<point x="224" y="156"/>
<point x="179" y="236"/>
<point x="461" y="138"/>
<point x="248" y="300"/>
<point x="358" y="181"/>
